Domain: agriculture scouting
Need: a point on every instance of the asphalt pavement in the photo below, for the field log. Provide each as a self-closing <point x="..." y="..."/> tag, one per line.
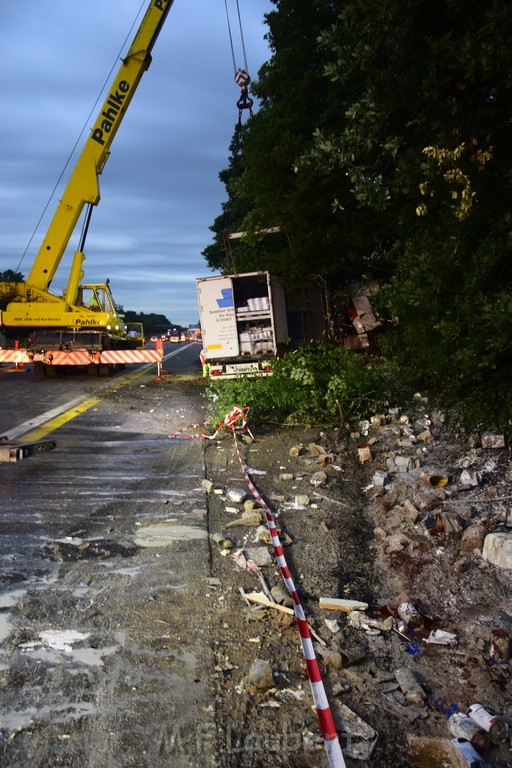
<point x="104" y="561"/>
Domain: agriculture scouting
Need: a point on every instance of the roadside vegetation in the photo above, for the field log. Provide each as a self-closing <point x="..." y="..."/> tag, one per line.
<point x="382" y="147"/>
<point x="318" y="384"/>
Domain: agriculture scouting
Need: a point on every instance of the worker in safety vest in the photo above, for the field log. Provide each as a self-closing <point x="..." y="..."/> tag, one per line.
<point x="205" y="365"/>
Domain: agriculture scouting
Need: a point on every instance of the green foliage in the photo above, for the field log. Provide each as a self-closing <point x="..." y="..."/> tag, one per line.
<point x="10" y="276"/>
<point x="382" y="146"/>
<point x="317" y="384"/>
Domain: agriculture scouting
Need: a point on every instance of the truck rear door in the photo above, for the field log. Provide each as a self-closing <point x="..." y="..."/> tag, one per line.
<point x="218" y="317"/>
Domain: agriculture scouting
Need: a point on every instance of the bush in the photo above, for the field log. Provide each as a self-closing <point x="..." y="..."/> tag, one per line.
<point x="317" y="384"/>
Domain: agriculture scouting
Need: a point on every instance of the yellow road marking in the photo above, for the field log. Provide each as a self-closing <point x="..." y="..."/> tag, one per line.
<point x="58" y="421"/>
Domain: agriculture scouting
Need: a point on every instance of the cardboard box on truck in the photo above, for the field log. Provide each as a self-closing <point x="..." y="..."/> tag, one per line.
<point x="246" y="321"/>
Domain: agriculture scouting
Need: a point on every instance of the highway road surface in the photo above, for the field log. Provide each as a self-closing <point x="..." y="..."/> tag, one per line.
<point x="104" y="558"/>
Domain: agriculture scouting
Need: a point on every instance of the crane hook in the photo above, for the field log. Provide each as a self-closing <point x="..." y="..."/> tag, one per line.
<point x="244" y="102"/>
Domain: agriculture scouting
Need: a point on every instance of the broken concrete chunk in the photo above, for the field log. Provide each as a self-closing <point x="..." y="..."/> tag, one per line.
<point x="243" y="562"/>
<point x="316" y="450"/>
<point x="379" y="479"/>
<point x="471" y="479"/>
<point x="500" y="646"/>
<point x="430" y="751"/>
<point x="411" y="512"/>
<point x="281" y="595"/>
<point x="260" y="675"/>
<point x="207" y="485"/>
<point x="319" y="478"/>
<point x="364" y="453"/>
<point x="302" y="500"/>
<point x="497" y="550"/>
<point x="295" y="450"/>
<point x="489" y="440"/>
<point x="237" y="495"/>
<point x="286" y="476"/>
<point x="473" y="538"/>
<point x="259" y="555"/>
<point x="360" y="737"/>
<point x="447" y="524"/>
<point x="330" y="658"/>
<point x="251" y="517"/>
<point x="332" y="625"/>
<point x="406" y="463"/>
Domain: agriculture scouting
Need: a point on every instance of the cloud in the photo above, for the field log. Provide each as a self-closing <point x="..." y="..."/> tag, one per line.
<point x="160" y="190"/>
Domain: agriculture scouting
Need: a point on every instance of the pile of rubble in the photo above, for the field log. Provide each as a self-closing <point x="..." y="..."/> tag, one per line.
<point x="401" y="536"/>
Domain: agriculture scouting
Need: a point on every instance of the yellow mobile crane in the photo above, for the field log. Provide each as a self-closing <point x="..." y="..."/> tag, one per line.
<point x="83" y="326"/>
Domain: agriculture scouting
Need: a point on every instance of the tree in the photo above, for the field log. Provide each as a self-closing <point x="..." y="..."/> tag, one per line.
<point x="11" y="276"/>
<point x="426" y="143"/>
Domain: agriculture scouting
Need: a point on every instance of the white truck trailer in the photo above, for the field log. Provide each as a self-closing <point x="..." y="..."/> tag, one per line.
<point x="243" y="323"/>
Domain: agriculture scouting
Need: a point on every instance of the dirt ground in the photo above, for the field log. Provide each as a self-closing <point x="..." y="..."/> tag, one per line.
<point x="399" y="515"/>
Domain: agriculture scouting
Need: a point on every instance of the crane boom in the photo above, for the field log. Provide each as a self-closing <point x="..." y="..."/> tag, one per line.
<point x="58" y="321"/>
<point x="83" y="186"/>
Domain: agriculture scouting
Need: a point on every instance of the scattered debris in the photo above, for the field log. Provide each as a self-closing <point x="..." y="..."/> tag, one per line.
<point x="244" y="562"/>
<point x="439" y="517"/>
<point x="57" y="639"/>
<point x="337" y="604"/>
<point x="99" y="549"/>
<point x="441" y="637"/>
<point x="223" y="542"/>
<point x="497" y="549"/>
<point x="249" y="517"/>
<point x="495" y="726"/>
<point x="259" y="677"/>
<point x="261" y="599"/>
<point x="360" y="738"/>
<point x="410" y="687"/>
<point x="319" y="478"/>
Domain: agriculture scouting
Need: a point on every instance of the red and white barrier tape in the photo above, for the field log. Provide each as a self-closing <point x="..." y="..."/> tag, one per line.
<point x="236" y="419"/>
<point x="325" y="719"/>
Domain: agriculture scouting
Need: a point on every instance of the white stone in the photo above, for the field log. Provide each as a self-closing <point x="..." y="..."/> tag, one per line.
<point x="497" y="550"/>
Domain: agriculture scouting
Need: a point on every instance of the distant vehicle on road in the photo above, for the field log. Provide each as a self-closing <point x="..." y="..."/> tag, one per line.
<point x="174" y="335"/>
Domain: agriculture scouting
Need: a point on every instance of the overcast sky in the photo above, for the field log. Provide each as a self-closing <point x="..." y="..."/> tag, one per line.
<point x="160" y="190"/>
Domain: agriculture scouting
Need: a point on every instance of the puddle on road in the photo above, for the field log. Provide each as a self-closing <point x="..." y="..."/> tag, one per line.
<point x="165" y="534"/>
<point x="62" y="713"/>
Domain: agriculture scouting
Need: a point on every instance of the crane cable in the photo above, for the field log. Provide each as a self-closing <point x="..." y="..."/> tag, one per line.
<point x="242" y="77"/>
